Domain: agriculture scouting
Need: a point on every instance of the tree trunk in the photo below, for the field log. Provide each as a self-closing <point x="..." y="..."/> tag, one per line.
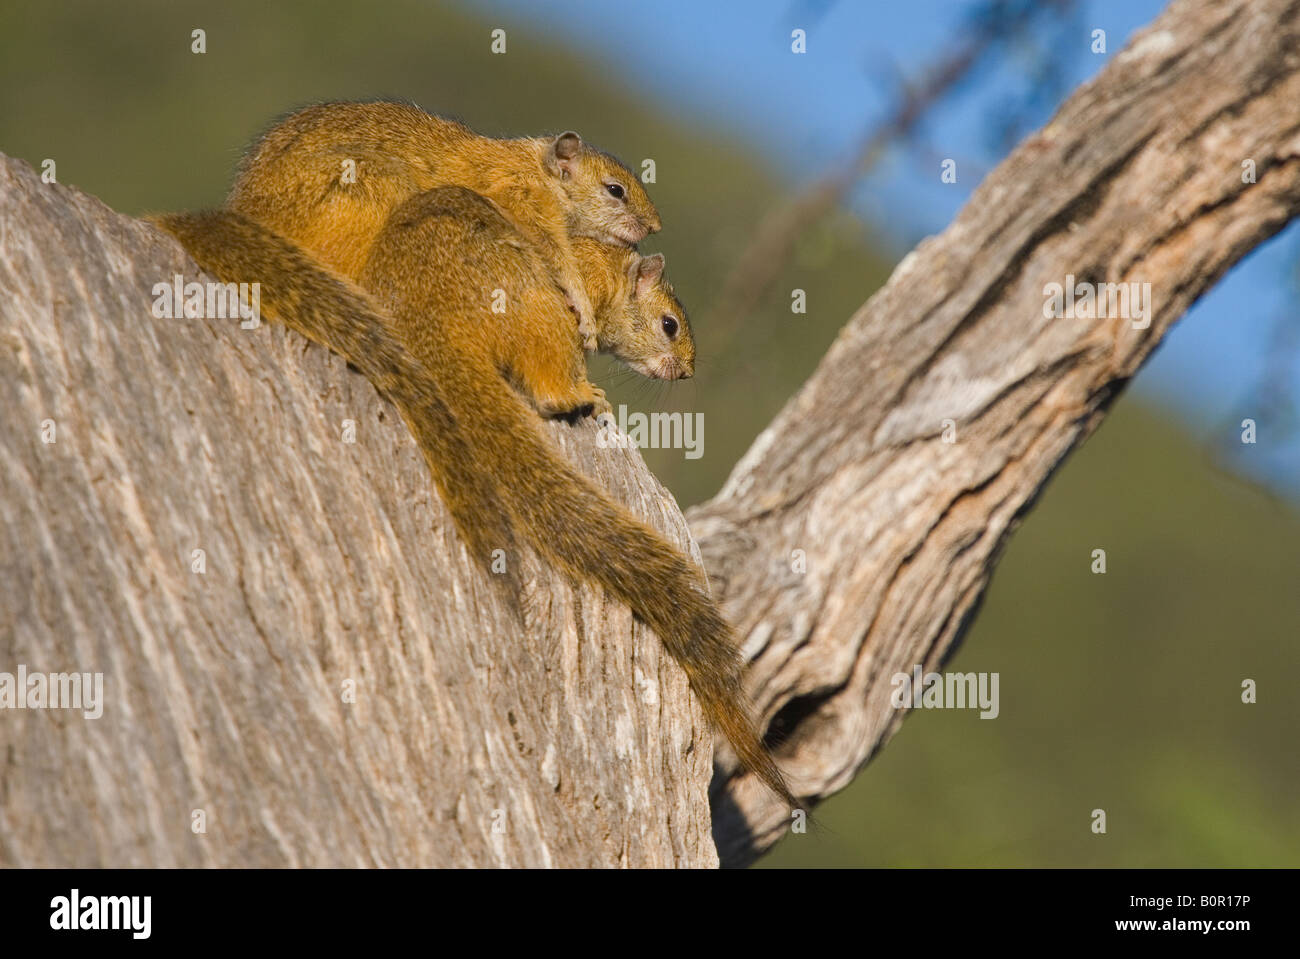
<point x="331" y="681"/>
<point x="328" y="567"/>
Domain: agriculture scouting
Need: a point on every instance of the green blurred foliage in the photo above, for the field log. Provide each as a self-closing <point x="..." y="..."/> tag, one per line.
<point x="1119" y="691"/>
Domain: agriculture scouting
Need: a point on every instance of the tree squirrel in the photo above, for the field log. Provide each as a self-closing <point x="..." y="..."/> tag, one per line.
<point x="327" y="177"/>
<point x="434" y="269"/>
<point x="432" y="260"/>
<point x="435" y="265"/>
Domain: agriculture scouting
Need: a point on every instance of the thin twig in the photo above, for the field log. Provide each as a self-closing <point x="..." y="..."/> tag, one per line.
<point x="775" y="236"/>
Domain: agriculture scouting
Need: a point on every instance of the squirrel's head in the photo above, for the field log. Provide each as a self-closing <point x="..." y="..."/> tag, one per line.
<point x="604" y="198"/>
<point x="647" y="328"/>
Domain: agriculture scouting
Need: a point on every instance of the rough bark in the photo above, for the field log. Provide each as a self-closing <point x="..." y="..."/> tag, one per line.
<point x="1138" y="178"/>
<point x="330" y="561"/>
<point x="475" y="739"/>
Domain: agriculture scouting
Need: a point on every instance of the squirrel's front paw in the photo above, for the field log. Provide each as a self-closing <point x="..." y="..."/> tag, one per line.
<point x="586" y="332"/>
<point x="585" y="400"/>
<point x="599" y="404"/>
<point x="581" y="307"/>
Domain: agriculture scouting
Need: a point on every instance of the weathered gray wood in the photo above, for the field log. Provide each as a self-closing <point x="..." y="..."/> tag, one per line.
<point x="325" y="562"/>
<point x="1137" y="178"/>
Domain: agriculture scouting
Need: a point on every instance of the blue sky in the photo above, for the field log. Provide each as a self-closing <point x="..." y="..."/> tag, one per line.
<point x="728" y="64"/>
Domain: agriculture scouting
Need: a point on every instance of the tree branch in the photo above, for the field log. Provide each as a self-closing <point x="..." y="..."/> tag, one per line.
<point x="1138" y="179"/>
<point x="774" y="238"/>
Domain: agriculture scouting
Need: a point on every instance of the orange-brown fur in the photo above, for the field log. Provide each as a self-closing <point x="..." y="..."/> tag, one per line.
<point x="433" y="270"/>
<point x="423" y="330"/>
<point x="552" y="189"/>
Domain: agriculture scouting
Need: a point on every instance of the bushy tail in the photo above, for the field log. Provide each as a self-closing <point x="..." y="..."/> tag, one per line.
<point x="300" y="293"/>
<point x="472" y="428"/>
<point x="579" y="528"/>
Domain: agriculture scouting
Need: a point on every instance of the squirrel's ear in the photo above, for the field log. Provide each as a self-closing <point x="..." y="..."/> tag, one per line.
<point x="648" y="270"/>
<point x="562" y="155"/>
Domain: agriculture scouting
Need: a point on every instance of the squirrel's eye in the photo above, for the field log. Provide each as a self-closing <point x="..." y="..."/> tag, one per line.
<point x="616" y="190"/>
<point x="670" y="325"/>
